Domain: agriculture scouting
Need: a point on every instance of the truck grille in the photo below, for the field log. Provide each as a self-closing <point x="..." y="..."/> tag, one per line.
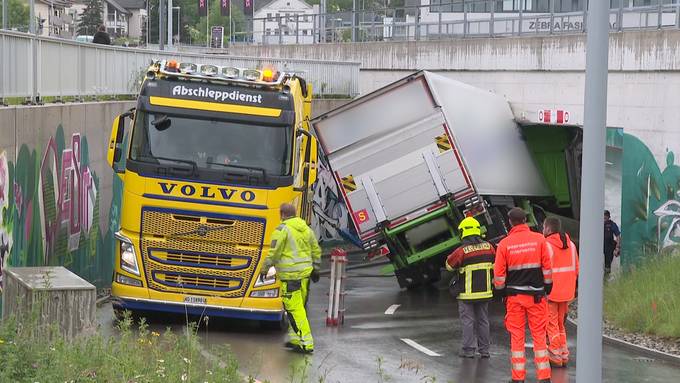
<point x="207" y="254"/>
<point x="199" y="282"/>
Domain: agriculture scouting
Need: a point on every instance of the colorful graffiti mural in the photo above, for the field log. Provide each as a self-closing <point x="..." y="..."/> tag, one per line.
<point x="50" y="216"/>
<point x="331" y="219"/>
<point x="650" y="206"/>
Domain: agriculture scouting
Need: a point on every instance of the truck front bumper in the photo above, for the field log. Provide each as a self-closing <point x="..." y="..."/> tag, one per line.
<point x="142" y="304"/>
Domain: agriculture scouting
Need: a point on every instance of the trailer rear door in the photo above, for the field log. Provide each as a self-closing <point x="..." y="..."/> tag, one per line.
<point x="392" y="154"/>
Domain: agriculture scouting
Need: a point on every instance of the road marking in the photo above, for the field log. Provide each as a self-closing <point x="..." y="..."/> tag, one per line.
<point x="418" y="347"/>
<point x="390" y="310"/>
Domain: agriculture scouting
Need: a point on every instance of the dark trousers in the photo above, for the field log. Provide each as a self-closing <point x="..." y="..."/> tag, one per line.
<point x="608" y="258"/>
<point x="474" y="317"/>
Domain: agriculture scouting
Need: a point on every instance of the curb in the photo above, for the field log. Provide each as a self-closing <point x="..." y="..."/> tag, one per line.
<point x="99" y="302"/>
<point x="650" y="352"/>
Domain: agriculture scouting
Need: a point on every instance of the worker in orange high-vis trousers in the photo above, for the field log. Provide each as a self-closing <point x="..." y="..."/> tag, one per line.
<point x="564" y="259"/>
<point x="523" y="273"/>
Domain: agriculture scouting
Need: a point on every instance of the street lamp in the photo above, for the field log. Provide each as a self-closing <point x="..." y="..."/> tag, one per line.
<point x="179" y="33"/>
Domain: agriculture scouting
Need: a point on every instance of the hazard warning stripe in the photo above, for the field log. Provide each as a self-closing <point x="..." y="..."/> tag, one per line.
<point x="443" y="143"/>
<point x="348" y="184"/>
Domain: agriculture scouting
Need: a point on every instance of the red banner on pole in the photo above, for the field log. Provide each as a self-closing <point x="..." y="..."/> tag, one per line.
<point x="202" y="7"/>
<point x="248" y="8"/>
<point x="224" y="7"/>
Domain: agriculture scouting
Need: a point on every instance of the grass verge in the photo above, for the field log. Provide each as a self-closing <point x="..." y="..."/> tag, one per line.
<point x="646" y="298"/>
<point x="134" y="355"/>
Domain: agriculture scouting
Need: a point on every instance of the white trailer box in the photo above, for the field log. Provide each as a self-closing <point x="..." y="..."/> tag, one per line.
<point x="405" y="149"/>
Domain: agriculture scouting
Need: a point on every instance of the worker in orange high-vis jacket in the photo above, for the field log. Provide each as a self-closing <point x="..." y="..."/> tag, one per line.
<point x="523" y="273"/>
<point x="564" y="259"/>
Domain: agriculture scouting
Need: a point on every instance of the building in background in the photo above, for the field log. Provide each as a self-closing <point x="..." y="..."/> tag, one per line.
<point x="123" y="18"/>
<point x="136" y="17"/>
<point x="434" y="19"/>
<point x="285" y="22"/>
<point x="53" y="18"/>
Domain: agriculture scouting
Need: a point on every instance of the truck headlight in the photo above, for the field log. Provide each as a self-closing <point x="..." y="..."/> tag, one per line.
<point x="269" y="279"/>
<point x="128" y="258"/>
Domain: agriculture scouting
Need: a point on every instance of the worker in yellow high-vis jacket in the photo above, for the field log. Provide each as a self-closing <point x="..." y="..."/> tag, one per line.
<point x="296" y="256"/>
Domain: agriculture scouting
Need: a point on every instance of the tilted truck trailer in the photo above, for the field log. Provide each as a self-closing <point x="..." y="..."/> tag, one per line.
<point x="213" y="151"/>
<point x="414" y="158"/>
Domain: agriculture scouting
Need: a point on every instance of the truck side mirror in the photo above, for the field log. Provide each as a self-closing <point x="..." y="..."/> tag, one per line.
<point x="311" y="156"/>
<point x="115" y="150"/>
<point x="313" y="159"/>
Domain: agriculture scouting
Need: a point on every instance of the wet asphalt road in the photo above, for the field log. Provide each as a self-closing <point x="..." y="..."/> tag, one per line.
<point x="369" y="347"/>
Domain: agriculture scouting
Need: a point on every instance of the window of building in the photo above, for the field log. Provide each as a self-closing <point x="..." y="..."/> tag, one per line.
<point x="569" y="5"/>
<point x="268" y="31"/>
<point x="305" y="32"/>
<point x="642" y="3"/>
<point x="269" y="17"/>
<point x="286" y="32"/>
<point x="276" y="31"/>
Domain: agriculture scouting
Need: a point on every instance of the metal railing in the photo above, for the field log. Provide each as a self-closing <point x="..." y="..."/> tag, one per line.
<point x="468" y="18"/>
<point x="37" y="67"/>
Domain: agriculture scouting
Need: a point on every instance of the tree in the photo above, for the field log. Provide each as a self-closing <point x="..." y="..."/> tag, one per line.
<point x="17" y="15"/>
<point x="91" y="18"/>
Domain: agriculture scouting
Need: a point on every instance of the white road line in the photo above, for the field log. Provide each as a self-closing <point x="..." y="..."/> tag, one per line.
<point x="390" y="310"/>
<point x="418" y="347"/>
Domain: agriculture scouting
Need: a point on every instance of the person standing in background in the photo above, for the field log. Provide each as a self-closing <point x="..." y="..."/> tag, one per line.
<point x="612" y="238"/>
<point x="102" y="37"/>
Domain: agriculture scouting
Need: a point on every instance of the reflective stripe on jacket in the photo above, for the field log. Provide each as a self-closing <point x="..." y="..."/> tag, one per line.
<point x="522" y="263"/>
<point x="564" y="258"/>
<point x="294" y="250"/>
<point x="474" y="260"/>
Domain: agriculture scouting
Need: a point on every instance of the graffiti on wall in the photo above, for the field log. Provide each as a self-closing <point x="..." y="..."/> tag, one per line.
<point x="331" y="220"/>
<point x="5" y="230"/>
<point x="50" y="203"/>
<point x="650" y="202"/>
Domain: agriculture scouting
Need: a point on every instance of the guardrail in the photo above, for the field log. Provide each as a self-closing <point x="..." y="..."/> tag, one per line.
<point x="37" y="67"/>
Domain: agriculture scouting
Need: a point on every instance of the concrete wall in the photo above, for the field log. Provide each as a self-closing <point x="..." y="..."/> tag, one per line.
<point x="58" y="203"/>
<point x="322" y="106"/>
<point x="647" y="50"/>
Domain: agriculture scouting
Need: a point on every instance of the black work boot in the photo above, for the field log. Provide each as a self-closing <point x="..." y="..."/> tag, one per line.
<point x="303" y="350"/>
<point x="544" y="381"/>
<point x="516" y="381"/>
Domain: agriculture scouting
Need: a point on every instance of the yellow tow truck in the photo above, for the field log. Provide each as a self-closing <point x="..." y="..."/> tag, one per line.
<point x="210" y="154"/>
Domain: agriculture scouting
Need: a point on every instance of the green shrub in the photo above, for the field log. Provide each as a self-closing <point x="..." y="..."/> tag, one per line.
<point x="646" y="299"/>
<point x="130" y="355"/>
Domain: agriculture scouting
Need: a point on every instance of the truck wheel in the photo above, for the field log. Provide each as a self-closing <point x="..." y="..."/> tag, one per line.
<point x="412" y="285"/>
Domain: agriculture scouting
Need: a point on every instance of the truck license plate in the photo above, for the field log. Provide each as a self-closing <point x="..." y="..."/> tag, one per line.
<point x="195" y="300"/>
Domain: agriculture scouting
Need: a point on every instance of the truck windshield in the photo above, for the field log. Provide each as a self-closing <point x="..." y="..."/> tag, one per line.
<point x="211" y="144"/>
